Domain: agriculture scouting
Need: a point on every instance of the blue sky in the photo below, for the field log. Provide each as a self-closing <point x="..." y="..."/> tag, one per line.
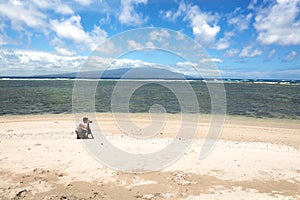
<point x="245" y="38"/>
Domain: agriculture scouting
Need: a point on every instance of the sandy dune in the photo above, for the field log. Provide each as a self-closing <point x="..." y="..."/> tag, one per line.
<point x="253" y="159"/>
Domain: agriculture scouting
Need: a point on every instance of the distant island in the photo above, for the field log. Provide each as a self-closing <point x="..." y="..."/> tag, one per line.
<point x="144" y="73"/>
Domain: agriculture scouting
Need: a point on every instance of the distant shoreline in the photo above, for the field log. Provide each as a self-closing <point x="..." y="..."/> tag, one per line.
<point x="204" y="116"/>
<point x="225" y="80"/>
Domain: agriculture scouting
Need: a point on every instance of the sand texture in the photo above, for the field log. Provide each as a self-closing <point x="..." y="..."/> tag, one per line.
<point x="253" y="159"/>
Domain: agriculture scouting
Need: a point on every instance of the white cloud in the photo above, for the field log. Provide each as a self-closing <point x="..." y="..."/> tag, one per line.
<point x="37" y="62"/>
<point x="128" y="14"/>
<point x="64" y="52"/>
<point x="203" y="25"/>
<point x="225" y="42"/>
<point x="289" y="57"/>
<point x="129" y="63"/>
<point x="279" y="23"/>
<point x="135" y="45"/>
<point x="32" y="14"/>
<point x="34" y="62"/>
<point x="205" y="70"/>
<point x="187" y="68"/>
<point x="84" y="2"/>
<point x="270" y="55"/>
<point x="64" y="9"/>
<point x="149" y="44"/>
<point x="173" y="15"/>
<point x="248" y="52"/>
<point x="252" y="4"/>
<point x="72" y="29"/>
<point x="186" y="63"/>
<point x="55" y="5"/>
<point x="207" y="60"/>
<point x="56" y="42"/>
<point x="159" y="36"/>
<point x="180" y="35"/>
<point x="43" y="4"/>
<point x="109" y="48"/>
<point x="231" y="53"/>
<point x="20" y="13"/>
<point x="239" y="20"/>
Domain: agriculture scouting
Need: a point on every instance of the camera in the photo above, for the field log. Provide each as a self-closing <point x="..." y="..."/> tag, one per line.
<point x="86" y="120"/>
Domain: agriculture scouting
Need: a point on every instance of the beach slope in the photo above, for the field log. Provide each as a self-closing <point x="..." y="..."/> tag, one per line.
<point x="253" y="159"/>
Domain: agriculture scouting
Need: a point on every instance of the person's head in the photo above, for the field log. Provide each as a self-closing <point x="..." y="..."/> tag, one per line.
<point x="85" y="120"/>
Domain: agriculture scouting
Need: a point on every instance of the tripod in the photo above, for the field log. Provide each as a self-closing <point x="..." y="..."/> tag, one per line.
<point x="89" y="131"/>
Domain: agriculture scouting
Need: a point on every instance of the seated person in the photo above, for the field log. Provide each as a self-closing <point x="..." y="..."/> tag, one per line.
<point x="83" y="129"/>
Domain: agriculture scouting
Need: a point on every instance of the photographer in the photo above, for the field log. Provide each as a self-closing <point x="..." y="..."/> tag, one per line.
<point x="83" y="129"/>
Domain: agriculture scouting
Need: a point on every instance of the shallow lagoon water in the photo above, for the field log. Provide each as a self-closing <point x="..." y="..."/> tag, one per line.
<point x="252" y="98"/>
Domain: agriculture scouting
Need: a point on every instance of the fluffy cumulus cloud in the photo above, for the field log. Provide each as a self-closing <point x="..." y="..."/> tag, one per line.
<point x="128" y="15"/>
<point x="270" y="20"/>
<point x="20" y="14"/>
<point x="64" y="9"/>
<point x="33" y="19"/>
<point x="36" y="62"/>
<point x="225" y="42"/>
<point x="203" y="25"/>
<point x="249" y="52"/>
<point x="64" y="51"/>
<point x="61" y="28"/>
<point x="71" y="29"/>
<point x="279" y="23"/>
<point x="32" y="14"/>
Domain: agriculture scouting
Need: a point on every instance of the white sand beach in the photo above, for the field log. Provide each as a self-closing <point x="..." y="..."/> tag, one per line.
<point x="253" y="159"/>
